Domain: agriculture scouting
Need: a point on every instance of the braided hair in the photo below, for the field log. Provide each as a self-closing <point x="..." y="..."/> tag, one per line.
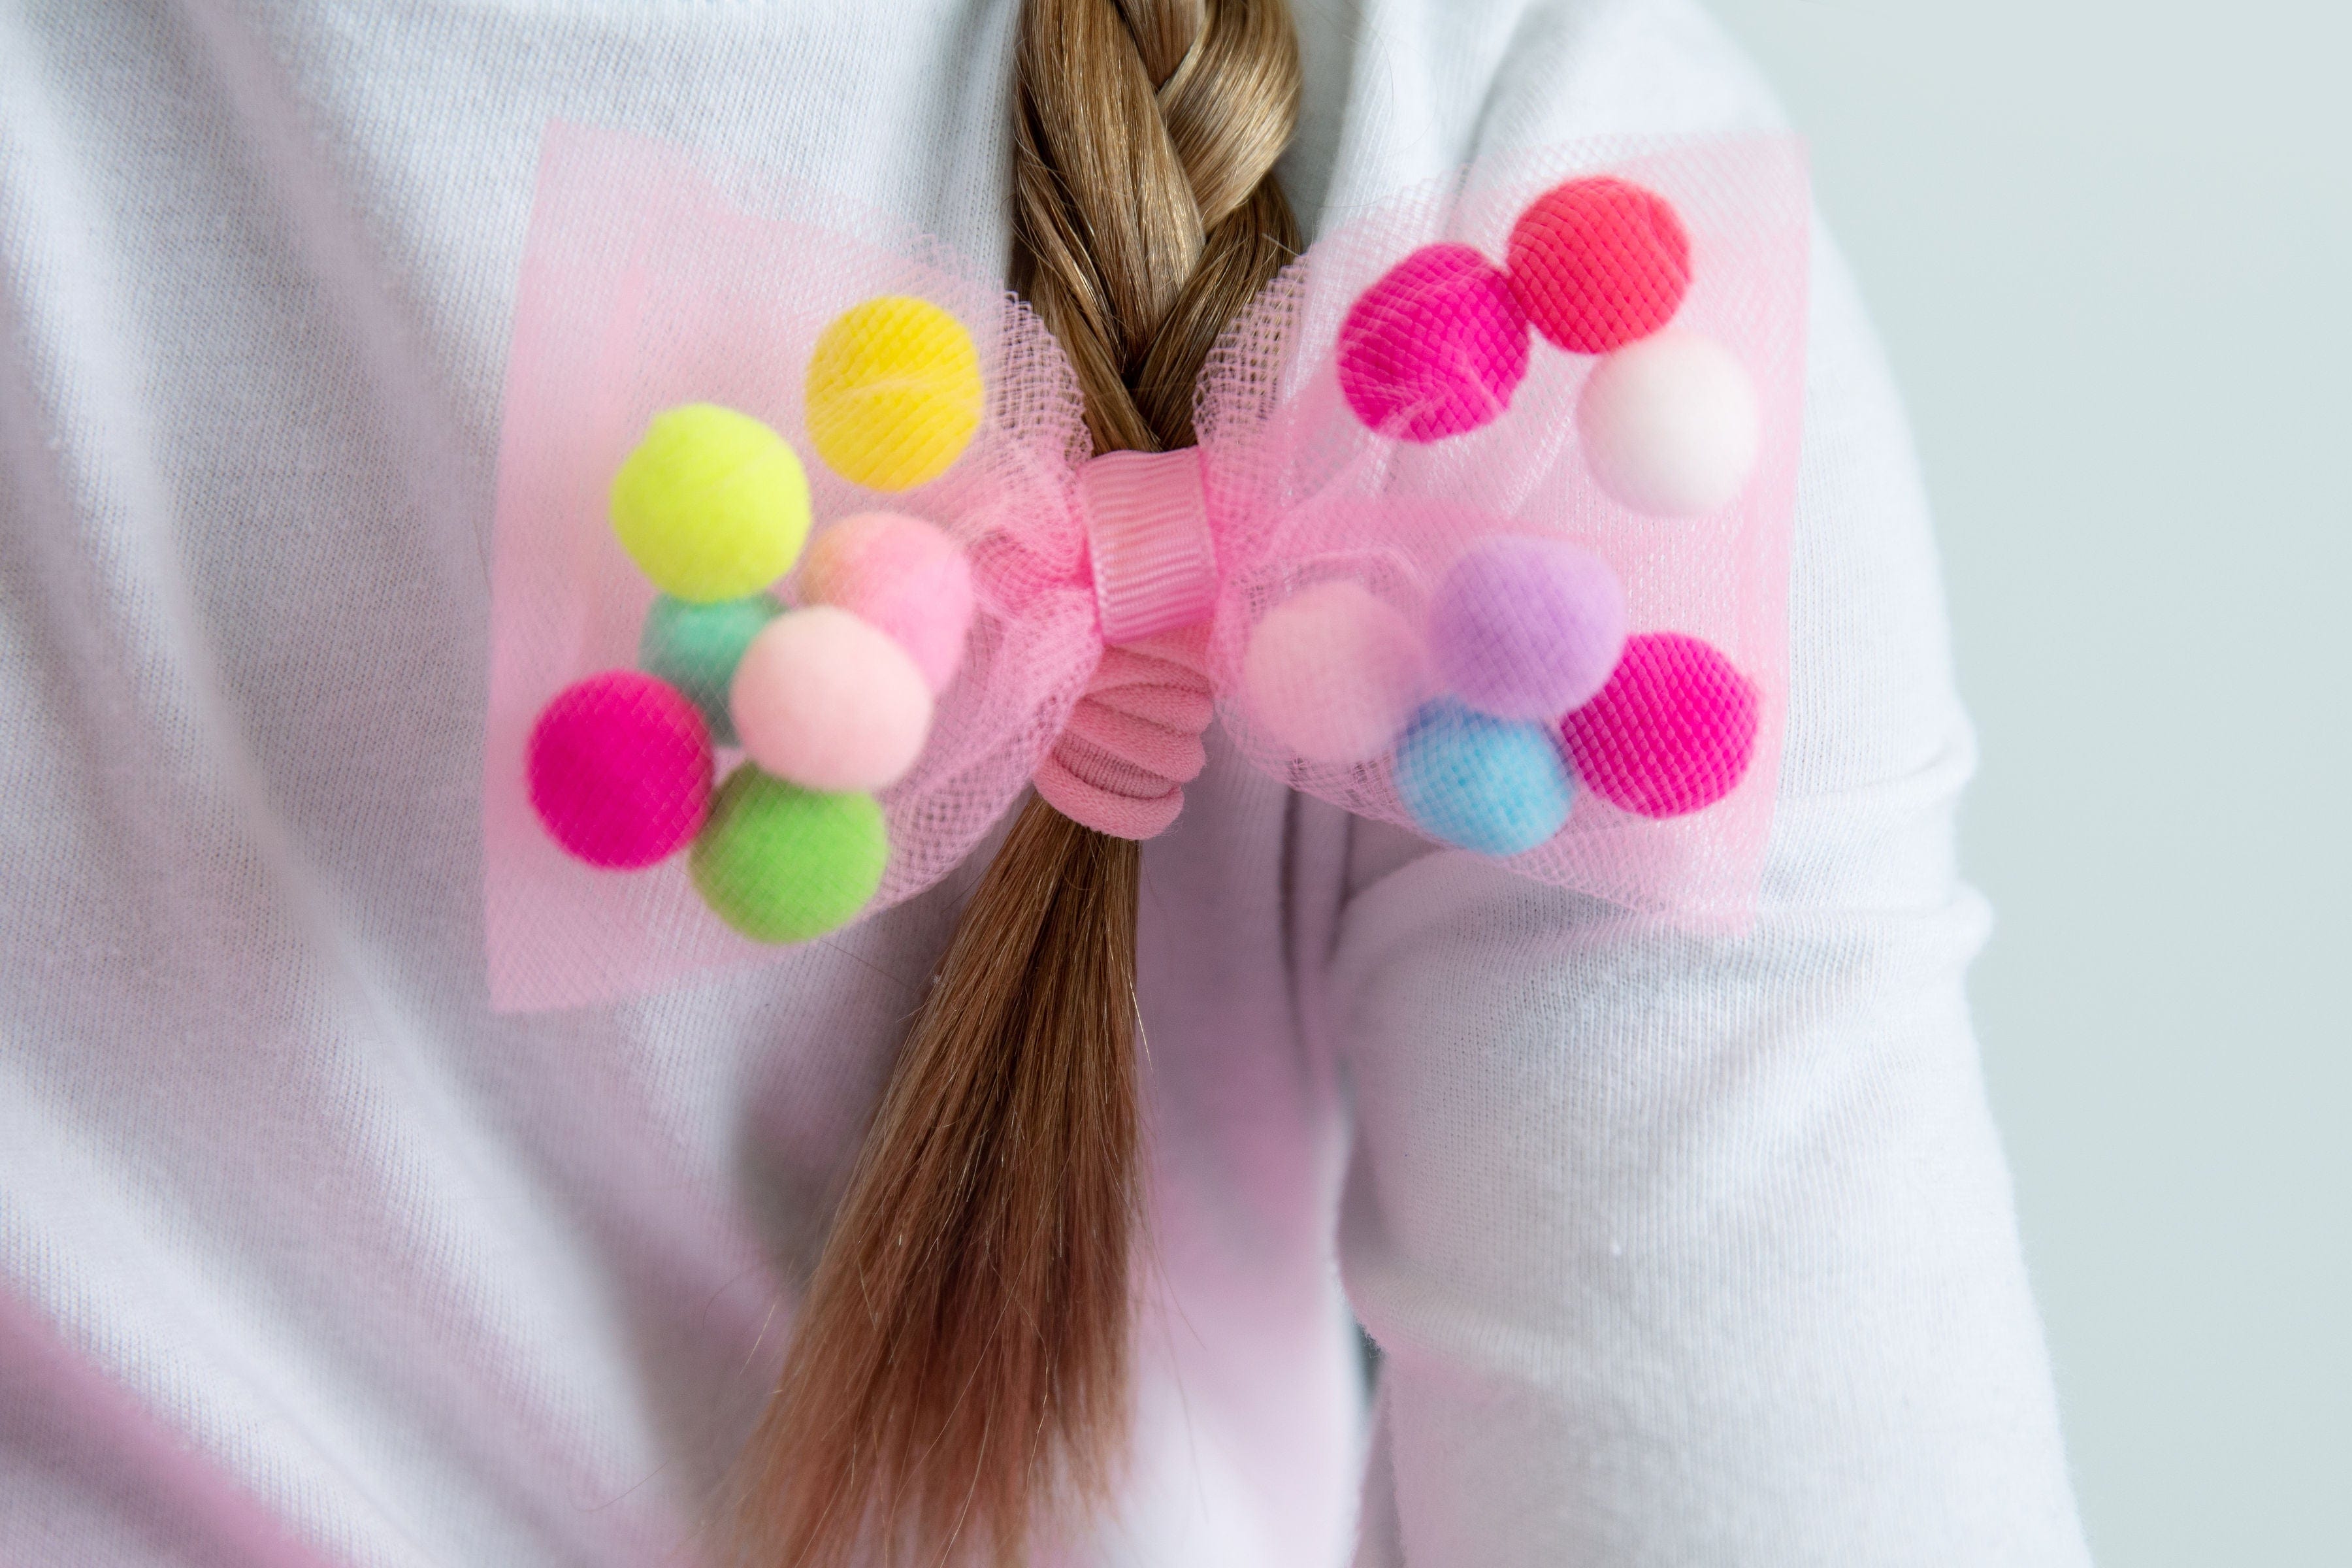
<point x="960" y="1369"/>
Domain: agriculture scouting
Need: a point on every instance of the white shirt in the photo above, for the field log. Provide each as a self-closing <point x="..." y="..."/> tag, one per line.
<point x="1681" y="1250"/>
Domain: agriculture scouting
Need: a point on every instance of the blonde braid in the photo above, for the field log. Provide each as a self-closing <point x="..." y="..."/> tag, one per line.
<point x="960" y="1364"/>
<point x="1145" y="208"/>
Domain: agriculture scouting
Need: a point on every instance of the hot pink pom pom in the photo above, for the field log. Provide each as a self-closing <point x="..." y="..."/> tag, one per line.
<point x="1672" y="732"/>
<point x="826" y="702"/>
<point x="619" y="768"/>
<point x="1435" y="347"/>
<point x="902" y="575"/>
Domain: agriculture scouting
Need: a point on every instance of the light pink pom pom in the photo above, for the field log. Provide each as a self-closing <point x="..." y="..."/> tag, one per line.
<point x="1334" y="673"/>
<point x="901" y="574"/>
<point x="825" y="702"/>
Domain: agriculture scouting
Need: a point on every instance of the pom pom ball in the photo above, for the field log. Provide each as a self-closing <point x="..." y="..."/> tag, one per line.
<point x="1670" y="424"/>
<point x="711" y="504"/>
<point x="901" y="575"/>
<point x="619" y="770"/>
<point x="1672" y="732"/>
<point x="823" y="700"/>
<point x="1599" y="263"/>
<point x="1527" y="628"/>
<point x="1334" y="673"/>
<point x="783" y="864"/>
<point x="1435" y="347"/>
<point x="696" y="649"/>
<point x="1495" y="786"/>
<point x="894" y="392"/>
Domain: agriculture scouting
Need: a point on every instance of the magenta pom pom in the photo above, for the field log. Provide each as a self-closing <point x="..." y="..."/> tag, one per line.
<point x="1527" y="628"/>
<point x="1435" y="347"/>
<point x="619" y="768"/>
<point x="1672" y="732"/>
<point x="1598" y="263"/>
<point x="823" y="700"/>
<point x="901" y="575"/>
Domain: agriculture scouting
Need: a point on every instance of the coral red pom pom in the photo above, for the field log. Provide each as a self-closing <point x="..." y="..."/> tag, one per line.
<point x="1672" y="732"/>
<point x="1598" y="263"/>
<point x="619" y="768"/>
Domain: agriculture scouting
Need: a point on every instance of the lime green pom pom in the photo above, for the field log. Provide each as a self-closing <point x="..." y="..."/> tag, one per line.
<point x="780" y="863"/>
<point x="711" y="505"/>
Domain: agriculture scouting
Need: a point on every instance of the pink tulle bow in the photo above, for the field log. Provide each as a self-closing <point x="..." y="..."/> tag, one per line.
<point x="1486" y="535"/>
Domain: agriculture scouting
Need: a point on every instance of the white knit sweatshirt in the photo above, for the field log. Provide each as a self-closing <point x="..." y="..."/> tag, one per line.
<point x="1680" y="1251"/>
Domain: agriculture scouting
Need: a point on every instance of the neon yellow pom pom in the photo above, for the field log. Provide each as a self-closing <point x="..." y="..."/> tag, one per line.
<point x="894" y="392"/>
<point x="711" y="505"/>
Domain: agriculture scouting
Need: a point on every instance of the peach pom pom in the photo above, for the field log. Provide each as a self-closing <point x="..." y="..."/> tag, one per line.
<point x="902" y="575"/>
<point x="1334" y="673"/>
<point x="825" y="702"/>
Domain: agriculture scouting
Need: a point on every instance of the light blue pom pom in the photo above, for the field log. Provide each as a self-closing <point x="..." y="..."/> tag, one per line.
<point x="1495" y="785"/>
<point x="696" y="649"/>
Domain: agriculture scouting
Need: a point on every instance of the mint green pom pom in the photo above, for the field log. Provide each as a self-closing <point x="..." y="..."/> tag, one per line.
<point x="696" y="649"/>
<point x="781" y="863"/>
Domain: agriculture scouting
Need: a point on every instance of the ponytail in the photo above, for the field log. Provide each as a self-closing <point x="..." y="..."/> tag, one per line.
<point x="960" y="1368"/>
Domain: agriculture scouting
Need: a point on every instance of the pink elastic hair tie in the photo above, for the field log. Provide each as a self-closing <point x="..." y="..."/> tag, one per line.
<point x="1134" y="739"/>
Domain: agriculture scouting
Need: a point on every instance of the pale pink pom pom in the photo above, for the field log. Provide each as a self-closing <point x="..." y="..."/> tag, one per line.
<point x="901" y="574"/>
<point x="1334" y="673"/>
<point x="823" y="700"/>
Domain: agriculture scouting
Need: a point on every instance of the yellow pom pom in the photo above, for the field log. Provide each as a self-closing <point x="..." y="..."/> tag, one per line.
<point x="711" y="505"/>
<point x="894" y="392"/>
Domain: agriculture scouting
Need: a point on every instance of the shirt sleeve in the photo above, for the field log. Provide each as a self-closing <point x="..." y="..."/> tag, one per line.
<point x="1702" y="1250"/>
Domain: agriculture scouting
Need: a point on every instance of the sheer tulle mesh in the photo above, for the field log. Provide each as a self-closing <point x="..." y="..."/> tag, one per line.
<point x="1423" y="543"/>
<point x="654" y="279"/>
<point x="1302" y="493"/>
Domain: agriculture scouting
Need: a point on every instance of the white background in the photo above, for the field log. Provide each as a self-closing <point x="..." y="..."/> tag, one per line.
<point x="2110" y="245"/>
